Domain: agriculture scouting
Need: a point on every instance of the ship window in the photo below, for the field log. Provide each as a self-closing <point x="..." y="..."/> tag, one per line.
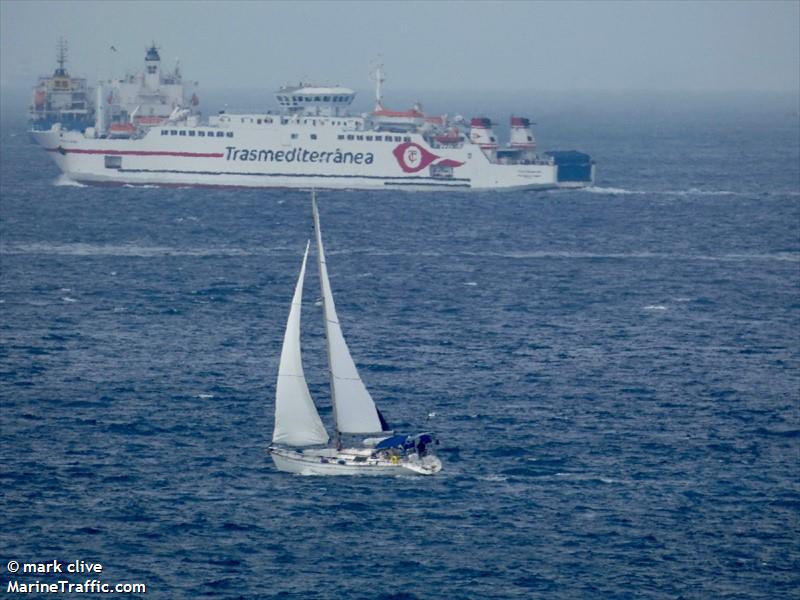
<point x="369" y="138"/>
<point x="339" y="137"/>
<point x="182" y="132"/>
<point x="313" y="136"/>
<point x="229" y="133"/>
<point x="201" y="133"/>
<point x="406" y="139"/>
<point x="259" y="121"/>
<point x="359" y="137"/>
<point x="308" y="98"/>
<point x="113" y="162"/>
<point x="165" y="132"/>
<point x="350" y="137"/>
<point x="296" y="98"/>
<point x="220" y="134"/>
<point x="294" y="136"/>
<point x="174" y="132"/>
<point x="191" y="134"/>
<point x="378" y="138"/>
<point x="327" y="98"/>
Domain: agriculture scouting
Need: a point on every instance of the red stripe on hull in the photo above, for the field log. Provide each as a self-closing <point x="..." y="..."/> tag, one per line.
<point x="137" y="153"/>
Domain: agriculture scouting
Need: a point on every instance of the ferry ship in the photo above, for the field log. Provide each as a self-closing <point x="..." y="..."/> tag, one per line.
<point x="312" y="141"/>
<point x="60" y="98"/>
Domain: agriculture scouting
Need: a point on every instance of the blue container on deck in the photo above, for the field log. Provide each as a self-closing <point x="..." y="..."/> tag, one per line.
<point x="572" y="165"/>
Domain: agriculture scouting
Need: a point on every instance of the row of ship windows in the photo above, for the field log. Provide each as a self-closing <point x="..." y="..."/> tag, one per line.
<point x="377" y="138"/>
<point x="368" y="138"/>
<point x="192" y="133"/>
<point x="313" y="136"/>
<point x="297" y="99"/>
<point x="285" y="121"/>
<point x="288" y="121"/>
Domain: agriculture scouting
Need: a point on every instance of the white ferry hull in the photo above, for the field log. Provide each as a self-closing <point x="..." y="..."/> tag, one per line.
<point x="259" y="159"/>
<point x="304" y="463"/>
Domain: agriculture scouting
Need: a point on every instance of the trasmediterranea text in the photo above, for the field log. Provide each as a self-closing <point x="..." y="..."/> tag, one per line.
<point x="298" y="155"/>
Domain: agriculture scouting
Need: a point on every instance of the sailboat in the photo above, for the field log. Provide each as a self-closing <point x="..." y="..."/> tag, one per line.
<point x="300" y="442"/>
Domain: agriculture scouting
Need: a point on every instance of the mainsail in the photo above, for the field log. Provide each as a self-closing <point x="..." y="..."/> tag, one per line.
<point x="353" y="407"/>
<point x="297" y="421"/>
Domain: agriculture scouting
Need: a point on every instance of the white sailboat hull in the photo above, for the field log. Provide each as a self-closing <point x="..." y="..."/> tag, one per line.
<point x="350" y="462"/>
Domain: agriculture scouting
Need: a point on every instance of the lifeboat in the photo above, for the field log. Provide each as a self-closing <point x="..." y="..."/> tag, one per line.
<point x="121" y="130"/>
<point x="149" y="121"/>
<point x="398" y="120"/>
<point x="451" y="137"/>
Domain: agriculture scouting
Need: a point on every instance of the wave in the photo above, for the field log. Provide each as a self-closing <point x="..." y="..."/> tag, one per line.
<point x="79" y="249"/>
<point x="546" y="254"/>
<point x="615" y="191"/>
<point x="493" y="478"/>
<point x="699" y="192"/>
<point x="117" y="250"/>
<point x="64" y="181"/>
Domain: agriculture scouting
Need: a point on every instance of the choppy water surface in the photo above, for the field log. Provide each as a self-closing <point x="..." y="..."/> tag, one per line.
<point x="613" y="374"/>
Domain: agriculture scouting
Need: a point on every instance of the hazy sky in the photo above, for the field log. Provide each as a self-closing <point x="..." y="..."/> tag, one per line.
<point x="556" y="46"/>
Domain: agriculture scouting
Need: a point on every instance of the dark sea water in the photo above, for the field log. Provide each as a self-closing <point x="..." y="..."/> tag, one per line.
<point x="614" y="375"/>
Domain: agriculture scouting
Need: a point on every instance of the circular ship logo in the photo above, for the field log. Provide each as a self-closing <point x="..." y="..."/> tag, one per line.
<point x="412" y="157"/>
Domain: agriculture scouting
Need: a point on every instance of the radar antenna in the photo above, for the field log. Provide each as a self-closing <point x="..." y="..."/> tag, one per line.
<point x="62" y="58"/>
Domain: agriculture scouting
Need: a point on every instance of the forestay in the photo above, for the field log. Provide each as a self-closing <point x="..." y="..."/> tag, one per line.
<point x="297" y="422"/>
<point x="353" y="406"/>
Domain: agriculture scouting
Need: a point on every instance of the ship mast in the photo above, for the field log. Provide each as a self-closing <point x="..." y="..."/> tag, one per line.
<point x="337" y="435"/>
<point x="377" y="75"/>
<point x="62" y="58"/>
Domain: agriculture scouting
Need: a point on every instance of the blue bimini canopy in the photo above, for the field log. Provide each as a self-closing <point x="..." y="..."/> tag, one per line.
<point x="396" y="441"/>
<point x="407" y="442"/>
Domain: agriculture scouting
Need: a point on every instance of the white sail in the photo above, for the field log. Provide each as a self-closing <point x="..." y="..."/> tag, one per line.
<point x="353" y="407"/>
<point x="297" y="421"/>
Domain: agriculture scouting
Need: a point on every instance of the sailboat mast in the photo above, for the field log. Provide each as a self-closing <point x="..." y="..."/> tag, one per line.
<point x="325" y="308"/>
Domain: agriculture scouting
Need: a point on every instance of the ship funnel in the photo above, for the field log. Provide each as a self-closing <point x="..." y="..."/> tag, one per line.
<point x="481" y="133"/>
<point x="521" y="134"/>
<point x="522" y="137"/>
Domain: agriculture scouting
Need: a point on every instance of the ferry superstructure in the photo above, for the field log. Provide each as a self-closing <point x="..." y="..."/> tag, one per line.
<point x="313" y="141"/>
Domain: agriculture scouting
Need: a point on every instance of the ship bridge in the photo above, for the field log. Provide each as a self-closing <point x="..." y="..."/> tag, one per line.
<point x="315" y="100"/>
